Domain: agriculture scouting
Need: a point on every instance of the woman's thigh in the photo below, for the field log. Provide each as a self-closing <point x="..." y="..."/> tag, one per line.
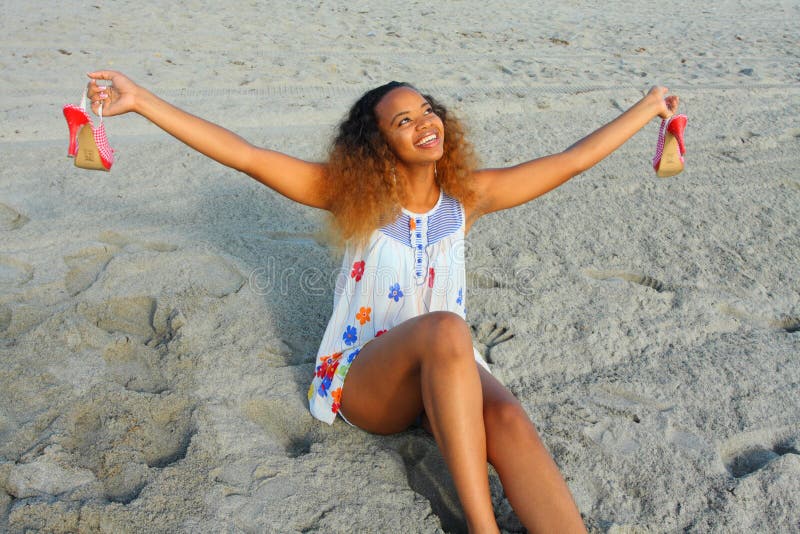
<point x="382" y="392"/>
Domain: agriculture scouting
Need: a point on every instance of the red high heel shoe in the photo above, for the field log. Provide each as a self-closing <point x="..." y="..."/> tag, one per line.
<point x="670" y="149"/>
<point x="90" y="147"/>
<point x="76" y="117"/>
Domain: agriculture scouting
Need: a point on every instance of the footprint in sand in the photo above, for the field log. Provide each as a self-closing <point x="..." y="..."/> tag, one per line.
<point x="131" y="316"/>
<point x="793" y="184"/>
<point x="284" y="423"/>
<point x="122" y="436"/>
<point x="787" y="323"/>
<point x="620" y="414"/>
<point x="14" y="273"/>
<point x="568" y="412"/>
<point x="135" y="367"/>
<point x="488" y="335"/>
<point x="11" y="219"/>
<point x="278" y="353"/>
<point x="625" y="276"/>
<point x="85" y="266"/>
<point x="121" y="241"/>
<point x="136" y="317"/>
<point x="427" y="475"/>
<point x="746" y="453"/>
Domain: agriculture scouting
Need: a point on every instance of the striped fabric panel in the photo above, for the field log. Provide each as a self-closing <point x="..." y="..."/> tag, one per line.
<point x="398" y="230"/>
<point x="446" y="220"/>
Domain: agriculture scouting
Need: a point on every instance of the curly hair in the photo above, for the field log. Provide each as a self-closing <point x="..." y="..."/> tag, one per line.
<point x="361" y="166"/>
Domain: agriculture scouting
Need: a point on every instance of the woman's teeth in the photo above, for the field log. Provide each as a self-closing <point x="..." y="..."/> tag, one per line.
<point x="427" y="139"/>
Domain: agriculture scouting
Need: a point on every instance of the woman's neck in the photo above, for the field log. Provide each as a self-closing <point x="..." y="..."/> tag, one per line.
<point x="420" y="190"/>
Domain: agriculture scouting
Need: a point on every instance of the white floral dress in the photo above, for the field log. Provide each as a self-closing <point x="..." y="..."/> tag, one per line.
<point x="412" y="266"/>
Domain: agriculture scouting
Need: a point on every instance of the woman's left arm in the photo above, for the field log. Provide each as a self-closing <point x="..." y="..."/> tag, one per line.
<point x="499" y="189"/>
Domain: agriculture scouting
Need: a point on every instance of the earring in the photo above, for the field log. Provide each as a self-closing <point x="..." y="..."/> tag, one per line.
<point x="435" y="174"/>
<point x="394" y="176"/>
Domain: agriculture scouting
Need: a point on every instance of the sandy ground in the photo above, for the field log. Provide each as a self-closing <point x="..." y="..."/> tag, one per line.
<point x="158" y="323"/>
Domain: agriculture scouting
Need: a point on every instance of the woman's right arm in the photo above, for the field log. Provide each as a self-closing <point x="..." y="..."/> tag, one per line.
<point x="294" y="178"/>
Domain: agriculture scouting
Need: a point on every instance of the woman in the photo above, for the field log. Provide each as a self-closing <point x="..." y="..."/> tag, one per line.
<point x="402" y="187"/>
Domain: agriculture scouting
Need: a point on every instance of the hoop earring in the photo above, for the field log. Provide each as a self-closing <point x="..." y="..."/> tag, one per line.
<point x="394" y="176"/>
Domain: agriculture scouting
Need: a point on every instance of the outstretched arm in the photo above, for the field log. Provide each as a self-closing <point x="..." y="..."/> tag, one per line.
<point x="296" y="179"/>
<point x="499" y="189"/>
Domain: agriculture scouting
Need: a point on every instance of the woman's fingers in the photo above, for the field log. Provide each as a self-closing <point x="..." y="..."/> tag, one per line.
<point x="98" y="94"/>
<point x="112" y="89"/>
<point x="658" y="91"/>
<point x="672" y="103"/>
<point x="668" y="103"/>
<point x="102" y="74"/>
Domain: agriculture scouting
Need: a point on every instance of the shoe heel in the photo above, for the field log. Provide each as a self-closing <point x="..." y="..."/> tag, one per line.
<point x="676" y="127"/>
<point x="76" y="118"/>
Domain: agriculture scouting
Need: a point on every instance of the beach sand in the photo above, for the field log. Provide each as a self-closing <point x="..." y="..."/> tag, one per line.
<point x="158" y="323"/>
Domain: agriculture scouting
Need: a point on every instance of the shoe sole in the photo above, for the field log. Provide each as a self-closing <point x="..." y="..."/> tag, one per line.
<point x="88" y="155"/>
<point x="671" y="163"/>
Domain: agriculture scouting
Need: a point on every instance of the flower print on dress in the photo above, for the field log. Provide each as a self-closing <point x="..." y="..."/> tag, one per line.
<point x="336" y="395"/>
<point x="326" y="361"/>
<point x="350" y="336"/>
<point x="431" y="275"/>
<point x="395" y="293"/>
<point x="363" y="315"/>
<point x="341" y="371"/>
<point x="379" y="333"/>
<point x="326" y="369"/>
<point x="328" y="378"/>
<point x="460" y="298"/>
<point x="358" y="270"/>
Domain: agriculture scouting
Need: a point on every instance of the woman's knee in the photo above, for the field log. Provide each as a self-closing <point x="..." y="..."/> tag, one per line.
<point x="505" y="419"/>
<point x="445" y="326"/>
<point x="445" y="335"/>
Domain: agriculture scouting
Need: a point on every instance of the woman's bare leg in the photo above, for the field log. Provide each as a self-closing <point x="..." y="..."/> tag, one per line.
<point x="427" y="363"/>
<point x="531" y="479"/>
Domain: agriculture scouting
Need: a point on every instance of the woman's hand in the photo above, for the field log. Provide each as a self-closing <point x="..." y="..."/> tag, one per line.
<point x="118" y="97"/>
<point x="296" y="179"/>
<point x="666" y="106"/>
<point x="506" y="188"/>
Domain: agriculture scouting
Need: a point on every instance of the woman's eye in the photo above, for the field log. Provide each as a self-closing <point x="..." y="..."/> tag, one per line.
<point x="403" y="121"/>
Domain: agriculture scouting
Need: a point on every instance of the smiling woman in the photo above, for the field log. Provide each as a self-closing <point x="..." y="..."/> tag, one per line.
<point x="402" y="185"/>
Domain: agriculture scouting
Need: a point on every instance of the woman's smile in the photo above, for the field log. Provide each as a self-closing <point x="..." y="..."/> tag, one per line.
<point x="429" y="140"/>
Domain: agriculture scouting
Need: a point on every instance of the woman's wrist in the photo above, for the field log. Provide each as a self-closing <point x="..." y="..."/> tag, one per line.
<point x="654" y="104"/>
<point x="140" y="96"/>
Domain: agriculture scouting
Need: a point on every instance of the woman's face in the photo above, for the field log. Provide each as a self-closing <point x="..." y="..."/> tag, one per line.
<point x="414" y="133"/>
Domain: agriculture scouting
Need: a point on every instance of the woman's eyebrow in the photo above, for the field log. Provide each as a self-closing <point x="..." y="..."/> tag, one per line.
<point x="426" y="103"/>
